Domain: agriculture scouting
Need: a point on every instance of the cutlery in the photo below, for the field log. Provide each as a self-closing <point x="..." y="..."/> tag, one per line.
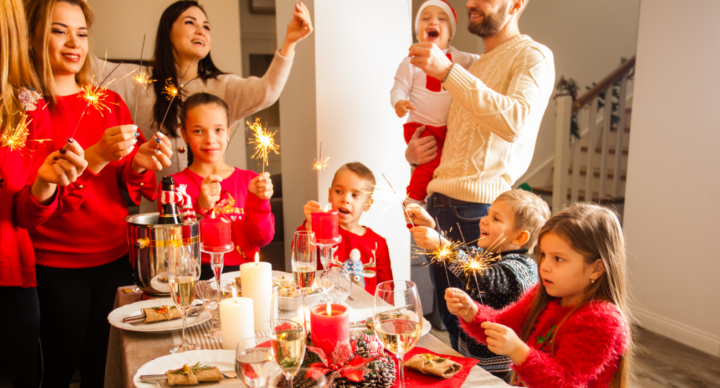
<point x="194" y="311"/>
<point x="228" y="374"/>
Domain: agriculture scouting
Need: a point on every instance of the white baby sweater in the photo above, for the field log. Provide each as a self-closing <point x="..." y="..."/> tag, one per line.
<point x="494" y="119"/>
<point x="431" y="108"/>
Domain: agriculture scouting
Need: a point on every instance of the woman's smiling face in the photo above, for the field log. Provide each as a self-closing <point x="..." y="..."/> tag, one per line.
<point x="190" y="34"/>
<point x="68" y="39"/>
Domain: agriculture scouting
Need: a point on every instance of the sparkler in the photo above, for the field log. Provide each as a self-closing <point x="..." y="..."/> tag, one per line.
<point x="264" y="142"/>
<point x="444" y="253"/>
<point x="320" y="164"/>
<point x="172" y="91"/>
<point x="141" y="78"/>
<point x="16" y="138"/>
<point x="401" y="202"/>
<point x="95" y="96"/>
<point x="481" y="262"/>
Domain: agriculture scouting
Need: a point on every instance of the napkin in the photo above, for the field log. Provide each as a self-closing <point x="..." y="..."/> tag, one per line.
<point x="414" y="379"/>
<point x="193" y="375"/>
<point x="161" y="313"/>
<point x="430" y="364"/>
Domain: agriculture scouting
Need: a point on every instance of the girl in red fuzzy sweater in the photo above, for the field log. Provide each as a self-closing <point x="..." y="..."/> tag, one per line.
<point x="208" y="179"/>
<point x="572" y="329"/>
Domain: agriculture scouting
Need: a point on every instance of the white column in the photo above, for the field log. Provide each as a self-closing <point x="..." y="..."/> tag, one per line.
<point x="338" y="93"/>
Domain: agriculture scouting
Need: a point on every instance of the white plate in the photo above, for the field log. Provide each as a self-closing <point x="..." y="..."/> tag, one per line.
<point x="236" y="274"/>
<point x="116" y="316"/>
<point x="426" y="327"/>
<point x="310" y="300"/>
<point x="223" y="359"/>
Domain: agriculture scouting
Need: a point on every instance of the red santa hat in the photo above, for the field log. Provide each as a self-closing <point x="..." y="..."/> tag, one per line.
<point x="442" y="4"/>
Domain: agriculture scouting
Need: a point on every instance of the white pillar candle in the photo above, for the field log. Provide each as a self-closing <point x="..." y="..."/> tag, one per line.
<point x="257" y="285"/>
<point x="235" y="321"/>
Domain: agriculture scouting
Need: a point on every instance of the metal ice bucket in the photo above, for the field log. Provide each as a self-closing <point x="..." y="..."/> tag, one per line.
<point x="151" y="243"/>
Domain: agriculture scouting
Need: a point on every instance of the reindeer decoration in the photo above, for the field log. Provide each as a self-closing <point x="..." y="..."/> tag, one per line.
<point x="354" y="266"/>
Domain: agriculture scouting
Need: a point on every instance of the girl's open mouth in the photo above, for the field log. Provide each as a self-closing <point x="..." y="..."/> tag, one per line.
<point x="433" y="34"/>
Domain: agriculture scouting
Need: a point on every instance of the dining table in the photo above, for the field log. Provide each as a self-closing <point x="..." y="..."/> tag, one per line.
<point x="130" y="350"/>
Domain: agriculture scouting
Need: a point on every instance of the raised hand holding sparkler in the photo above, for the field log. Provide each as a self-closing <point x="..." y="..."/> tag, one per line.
<point x="263" y="141"/>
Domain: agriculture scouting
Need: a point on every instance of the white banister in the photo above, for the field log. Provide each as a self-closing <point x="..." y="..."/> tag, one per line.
<point x="592" y="139"/>
<point x="563" y="118"/>
<point x="619" y="135"/>
<point x="607" y="126"/>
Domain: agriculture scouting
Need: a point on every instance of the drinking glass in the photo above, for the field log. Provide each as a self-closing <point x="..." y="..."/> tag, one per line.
<point x="254" y="365"/>
<point x="397" y="318"/>
<point x="289" y="330"/>
<point x="304" y="258"/>
<point x="211" y="296"/>
<point x="182" y="275"/>
<point x="336" y="285"/>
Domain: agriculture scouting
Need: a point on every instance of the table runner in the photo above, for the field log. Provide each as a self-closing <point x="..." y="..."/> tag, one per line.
<point x="128" y="350"/>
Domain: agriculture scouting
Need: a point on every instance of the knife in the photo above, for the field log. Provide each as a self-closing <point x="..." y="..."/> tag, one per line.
<point x="227" y="374"/>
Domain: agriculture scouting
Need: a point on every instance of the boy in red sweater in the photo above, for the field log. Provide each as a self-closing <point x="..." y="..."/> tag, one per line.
<point x="209" y="179"/>
<point x="572" y="329"/>
<point x="351" y="195"/>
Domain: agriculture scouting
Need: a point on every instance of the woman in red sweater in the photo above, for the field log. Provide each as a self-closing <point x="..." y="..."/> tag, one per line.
<point x="29" y="180"/>
<point x="208" y="179"/>
<point x="82" y="249"/>
<point x="572" y="329"/>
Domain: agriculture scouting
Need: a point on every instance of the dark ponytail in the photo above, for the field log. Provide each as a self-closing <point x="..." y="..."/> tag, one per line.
<point x="199" y="99"/>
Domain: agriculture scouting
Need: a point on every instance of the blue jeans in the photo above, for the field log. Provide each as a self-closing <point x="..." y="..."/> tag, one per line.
<point x="464" y="219"/>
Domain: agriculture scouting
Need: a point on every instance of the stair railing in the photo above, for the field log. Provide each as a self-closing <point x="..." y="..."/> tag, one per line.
<point x="595" y="124"/>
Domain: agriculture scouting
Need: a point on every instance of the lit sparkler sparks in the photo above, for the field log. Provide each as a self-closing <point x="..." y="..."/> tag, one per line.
<point x="170" y="91"/>
<point x="95" y="97"/>
<point x="320" y="164"/>
<point x="263" y="141"/>
<point x="481" y="262"/>
<point x="15" y="138"/>
<point x="143" y="78"/>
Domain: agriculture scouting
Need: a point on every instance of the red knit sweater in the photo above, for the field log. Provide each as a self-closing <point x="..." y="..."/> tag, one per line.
<point x="588" y="345"/>
<point x="256" y="229"/>
<point x="18" y="210"/>
<point x="88" y="228"/>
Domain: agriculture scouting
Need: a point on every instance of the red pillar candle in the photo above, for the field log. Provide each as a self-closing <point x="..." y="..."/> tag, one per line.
<point x="325" y="225"/>
<point x="329" y="324"/>
<point x="216" y="233"/>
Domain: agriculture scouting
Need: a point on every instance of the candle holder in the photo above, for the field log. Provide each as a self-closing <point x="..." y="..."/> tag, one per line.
<point x="217" y="258"/>
<point x="326" y="250"/>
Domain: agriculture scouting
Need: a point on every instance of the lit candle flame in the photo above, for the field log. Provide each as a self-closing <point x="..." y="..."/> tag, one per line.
<point x="257" y="258"/>
<point x="329" y="311"/>
<point x="264" y="142"/>
<point x="234" y="291"/>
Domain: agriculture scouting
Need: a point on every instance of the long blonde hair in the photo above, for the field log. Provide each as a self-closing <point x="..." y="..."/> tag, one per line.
<point x="39" y="16"/>
<point x="15" y="68"/>
<point x="594" y="232"/>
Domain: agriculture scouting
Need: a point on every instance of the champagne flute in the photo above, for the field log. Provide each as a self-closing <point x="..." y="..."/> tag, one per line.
<point x="182" y="275"/>
<point x="252" y="364"/>
<point x="336" y="284"/>
<point x="304" y="258"/>
<point x="289" y="331"/>
<point x="397" y="318"/>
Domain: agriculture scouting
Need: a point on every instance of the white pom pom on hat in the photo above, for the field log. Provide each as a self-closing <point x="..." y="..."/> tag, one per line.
<point x="445" y="6"/>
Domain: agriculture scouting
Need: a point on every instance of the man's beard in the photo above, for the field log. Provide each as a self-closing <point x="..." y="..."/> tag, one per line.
<point x="490" y="25"/>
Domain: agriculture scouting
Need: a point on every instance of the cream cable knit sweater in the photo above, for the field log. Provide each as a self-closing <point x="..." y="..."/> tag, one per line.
<point x="494" y="120"/>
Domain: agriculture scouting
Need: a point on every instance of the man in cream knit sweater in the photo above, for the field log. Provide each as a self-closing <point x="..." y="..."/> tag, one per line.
<point x="493" y="123"/>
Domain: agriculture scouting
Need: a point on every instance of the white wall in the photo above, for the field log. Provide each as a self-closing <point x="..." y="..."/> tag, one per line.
<point x="587" y="38"/>
<point x="339" y="93"/>
<point x="672" y="199"/>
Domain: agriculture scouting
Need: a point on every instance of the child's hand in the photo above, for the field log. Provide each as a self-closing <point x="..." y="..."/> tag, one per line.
<point x="309" y="208"/>
<point x="460" y="303"/>
<point x="209" y="192"/>
<point x="402" y="107"/>
<point x="419" y="216"/>
<point x="502" y="340"/>
<point x="261" y="186"/>
<point x="425" y="237"/>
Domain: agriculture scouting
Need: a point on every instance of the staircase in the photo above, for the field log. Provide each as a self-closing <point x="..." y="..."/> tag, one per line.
<point x="592" y="168"/>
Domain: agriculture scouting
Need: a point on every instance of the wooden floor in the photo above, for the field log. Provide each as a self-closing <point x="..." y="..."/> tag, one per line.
<point x="663" y="363"/>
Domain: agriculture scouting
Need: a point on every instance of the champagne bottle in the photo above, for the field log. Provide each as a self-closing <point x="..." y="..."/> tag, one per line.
<point x="168" y="211"/>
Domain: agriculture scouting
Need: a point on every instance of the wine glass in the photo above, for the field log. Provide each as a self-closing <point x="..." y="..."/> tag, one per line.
<point x="289" y="330"/>
<point x="397" y="318"/>
<point x="304" y="258"/>
<point x="182" y="275"/>
<point x="252" y="364"/>
<point x="211" y="296"/>
<point x="336" y="284"/>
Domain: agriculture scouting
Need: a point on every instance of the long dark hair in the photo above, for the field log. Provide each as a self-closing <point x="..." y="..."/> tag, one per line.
<point x="199" y="99"/>
<point x="164" y="67"/>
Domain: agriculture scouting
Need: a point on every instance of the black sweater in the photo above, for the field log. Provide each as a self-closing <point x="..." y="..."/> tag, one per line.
<point x="498" y="286"/>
